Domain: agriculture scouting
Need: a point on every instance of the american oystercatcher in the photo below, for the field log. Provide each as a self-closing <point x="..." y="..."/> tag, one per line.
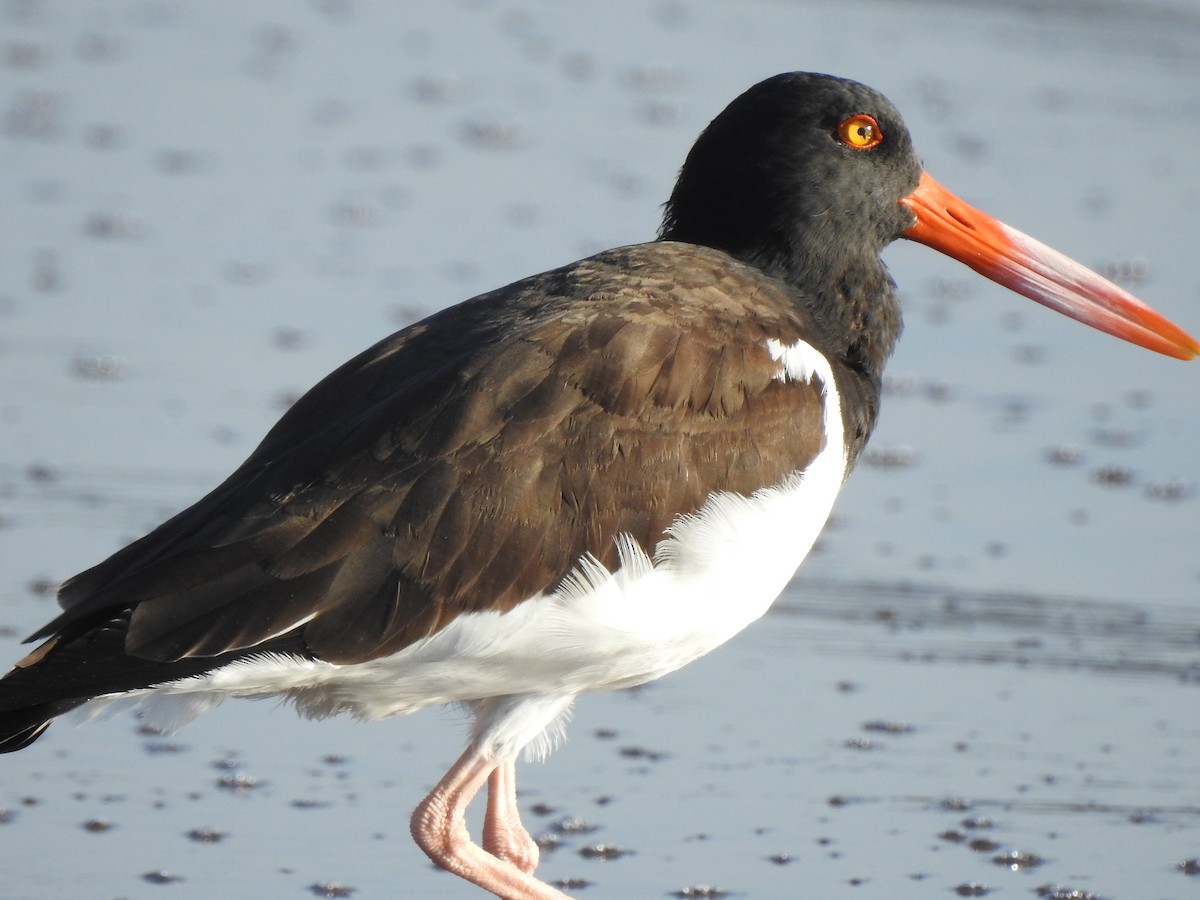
<point x="578" y="482"/>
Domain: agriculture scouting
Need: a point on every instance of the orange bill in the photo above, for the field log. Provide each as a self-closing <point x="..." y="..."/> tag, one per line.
<point x="1029" y="267"/>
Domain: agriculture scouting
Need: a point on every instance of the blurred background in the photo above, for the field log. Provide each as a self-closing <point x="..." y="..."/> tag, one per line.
<point x="983" y="681"/>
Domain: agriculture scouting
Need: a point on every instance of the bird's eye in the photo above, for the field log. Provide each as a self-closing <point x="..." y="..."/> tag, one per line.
<point x="860" y="131"/>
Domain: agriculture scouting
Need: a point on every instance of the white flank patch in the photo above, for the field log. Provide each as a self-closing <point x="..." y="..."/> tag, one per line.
<point x="717" y="571"/>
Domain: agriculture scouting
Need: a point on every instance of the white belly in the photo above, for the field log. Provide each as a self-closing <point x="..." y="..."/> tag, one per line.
<point x="717" y="571"/>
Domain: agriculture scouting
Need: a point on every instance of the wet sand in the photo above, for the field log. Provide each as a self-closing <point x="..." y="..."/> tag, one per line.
<point x="984" y="681"/>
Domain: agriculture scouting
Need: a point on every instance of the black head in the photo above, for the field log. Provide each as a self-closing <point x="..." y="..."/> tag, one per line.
<point x="777" y="181"/>
<point x="808" y="177"/>
<point x="773" y="176"/>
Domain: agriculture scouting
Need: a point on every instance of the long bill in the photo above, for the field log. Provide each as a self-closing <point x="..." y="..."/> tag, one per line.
<point x="1029" y="267"/>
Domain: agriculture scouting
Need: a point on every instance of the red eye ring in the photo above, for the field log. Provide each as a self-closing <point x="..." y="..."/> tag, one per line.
<point x="860" y="131"/>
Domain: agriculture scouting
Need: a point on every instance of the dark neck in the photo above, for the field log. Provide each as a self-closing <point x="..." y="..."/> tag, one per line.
<point x="849" y="297"/>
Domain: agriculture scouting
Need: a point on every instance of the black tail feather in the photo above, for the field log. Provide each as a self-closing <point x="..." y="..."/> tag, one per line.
<point x="69" y="670"/>
<point x="21" y="727"/>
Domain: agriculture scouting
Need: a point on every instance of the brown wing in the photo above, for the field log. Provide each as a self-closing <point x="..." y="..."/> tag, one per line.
<point x="469" y="461"/>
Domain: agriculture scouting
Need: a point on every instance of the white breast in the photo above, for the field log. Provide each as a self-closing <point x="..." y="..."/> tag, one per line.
<point x="717" y="571"/>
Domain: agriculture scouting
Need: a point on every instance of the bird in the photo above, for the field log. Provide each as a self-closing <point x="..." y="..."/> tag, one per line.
<point x="578" y="482"/>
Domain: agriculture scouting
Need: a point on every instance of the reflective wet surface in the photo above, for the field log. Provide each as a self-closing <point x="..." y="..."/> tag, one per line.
<point x="984" y="681"/>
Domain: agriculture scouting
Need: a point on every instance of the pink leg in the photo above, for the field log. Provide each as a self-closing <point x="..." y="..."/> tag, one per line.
<point x="439" y="828"/>
<point x="503" y="834"/>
